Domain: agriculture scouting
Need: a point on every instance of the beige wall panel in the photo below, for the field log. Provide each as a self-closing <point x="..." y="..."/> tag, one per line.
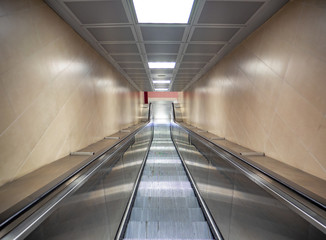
<point x="57" y="94"/>
<point x="269" y="93"/>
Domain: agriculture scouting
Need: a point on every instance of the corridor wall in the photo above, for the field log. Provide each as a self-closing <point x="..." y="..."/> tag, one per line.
<point x="269" y="93"/>
<point x="57" y="94"/>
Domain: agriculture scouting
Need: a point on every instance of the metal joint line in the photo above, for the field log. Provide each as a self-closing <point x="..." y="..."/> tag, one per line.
<point x="249" y="154"/>
<point x="217" y="138"/>
<point x="125" y="131"/>
<point x="111" y="137"/>
<point x="82" y="153"/>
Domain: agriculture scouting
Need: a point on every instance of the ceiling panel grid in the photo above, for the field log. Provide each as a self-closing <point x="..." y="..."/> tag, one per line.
<point x="214" y="28"/>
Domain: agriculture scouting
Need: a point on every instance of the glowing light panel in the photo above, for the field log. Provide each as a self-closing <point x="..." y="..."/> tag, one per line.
<point x="163" y="11"/>
<point x="161" y="89"/>
<point x="161" y="64"/>
<point x="161" y="81"/>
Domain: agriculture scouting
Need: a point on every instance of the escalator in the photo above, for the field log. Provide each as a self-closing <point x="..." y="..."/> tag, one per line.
<point x="165" y="206"/>
<point x="164" y="182"/>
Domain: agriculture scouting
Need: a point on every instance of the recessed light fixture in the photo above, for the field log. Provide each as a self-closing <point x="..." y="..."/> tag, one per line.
<point x="161" y="64"/>
<point x="163" y="11"/>
<point x="161" y="89"/>
<point x="161" y="81"/>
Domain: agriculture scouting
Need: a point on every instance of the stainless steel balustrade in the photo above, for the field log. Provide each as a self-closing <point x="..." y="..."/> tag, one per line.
<point x="244" y="203"/>
<point x="92" y="204"/>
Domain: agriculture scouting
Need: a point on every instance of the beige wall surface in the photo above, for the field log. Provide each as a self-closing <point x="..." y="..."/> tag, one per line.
<point x="269" y="94"/>
<point x="56" y="93"/>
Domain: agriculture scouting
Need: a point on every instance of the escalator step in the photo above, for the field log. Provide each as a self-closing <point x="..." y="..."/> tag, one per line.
<point x="168" y="214"/>
<point x="168" y="230"/>
<point x="178" y="202"/>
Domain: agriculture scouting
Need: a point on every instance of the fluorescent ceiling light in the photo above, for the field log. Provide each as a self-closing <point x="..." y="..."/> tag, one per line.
<point x="161" y="89"/>
<point x="161" y="81"/>
<point x="161" y="64"/>
<point x="163" y="11"/>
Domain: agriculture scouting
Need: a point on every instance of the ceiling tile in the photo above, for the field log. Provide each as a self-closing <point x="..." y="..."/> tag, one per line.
<point x="131" y="65"/>
<point x="228" y="12"/>
<point x="192" y="65"/>
<point x="126" y="58"/>
<point x="162" y="48"/>
<point x="161" y="71"/>
<point x="92" y="12"/>
<point x="162" y="33"/>
<point x="166" y="85"/>
<point x="140" y="80"/>
<point x="185" y="75"/>
<point x="160" y="76"/>
<point x="137" y="75"/>
<point x="112" y="33"/>
<point x="110" y="27"/>
<point x="196" y="58"/>
<point x="121" y="48"/>
<point x="128" y="70"/>
<point x="162" y="58"/>
<point x="213" y="34"/>
<point x="188" y="70"/>
<point x="204" y="48"/>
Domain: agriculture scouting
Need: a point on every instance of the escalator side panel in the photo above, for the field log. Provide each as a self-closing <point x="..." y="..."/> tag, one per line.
<point x="95" y="210"/>
<point x="241" y="208"/>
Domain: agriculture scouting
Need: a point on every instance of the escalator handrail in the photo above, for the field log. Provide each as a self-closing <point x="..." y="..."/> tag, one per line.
<point x="127" y="212"/>
<point x="296" y="201"/>
<point x="69" y="185"/>
<point x="209" y="218"/>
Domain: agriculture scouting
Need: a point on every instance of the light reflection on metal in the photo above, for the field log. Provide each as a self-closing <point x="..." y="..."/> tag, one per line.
<point x="252" y="154"/>
<point x="227" y="193"/>
<point x="218" y="138"/>
<point x="97" y="196"/>
<point x="110" y="137"/>
<point x="200" y="165"/>
<point x="127" y="165"/>
<point x="82" y="153"/>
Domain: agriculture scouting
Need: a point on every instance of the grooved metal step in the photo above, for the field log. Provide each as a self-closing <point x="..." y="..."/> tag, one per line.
<point x="165" y="206"/>
<point x="167" y="214"/>
<point x="167" y="230"/>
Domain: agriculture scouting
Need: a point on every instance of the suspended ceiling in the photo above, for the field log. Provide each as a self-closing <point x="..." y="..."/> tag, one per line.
<point x="214" y="29"/>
